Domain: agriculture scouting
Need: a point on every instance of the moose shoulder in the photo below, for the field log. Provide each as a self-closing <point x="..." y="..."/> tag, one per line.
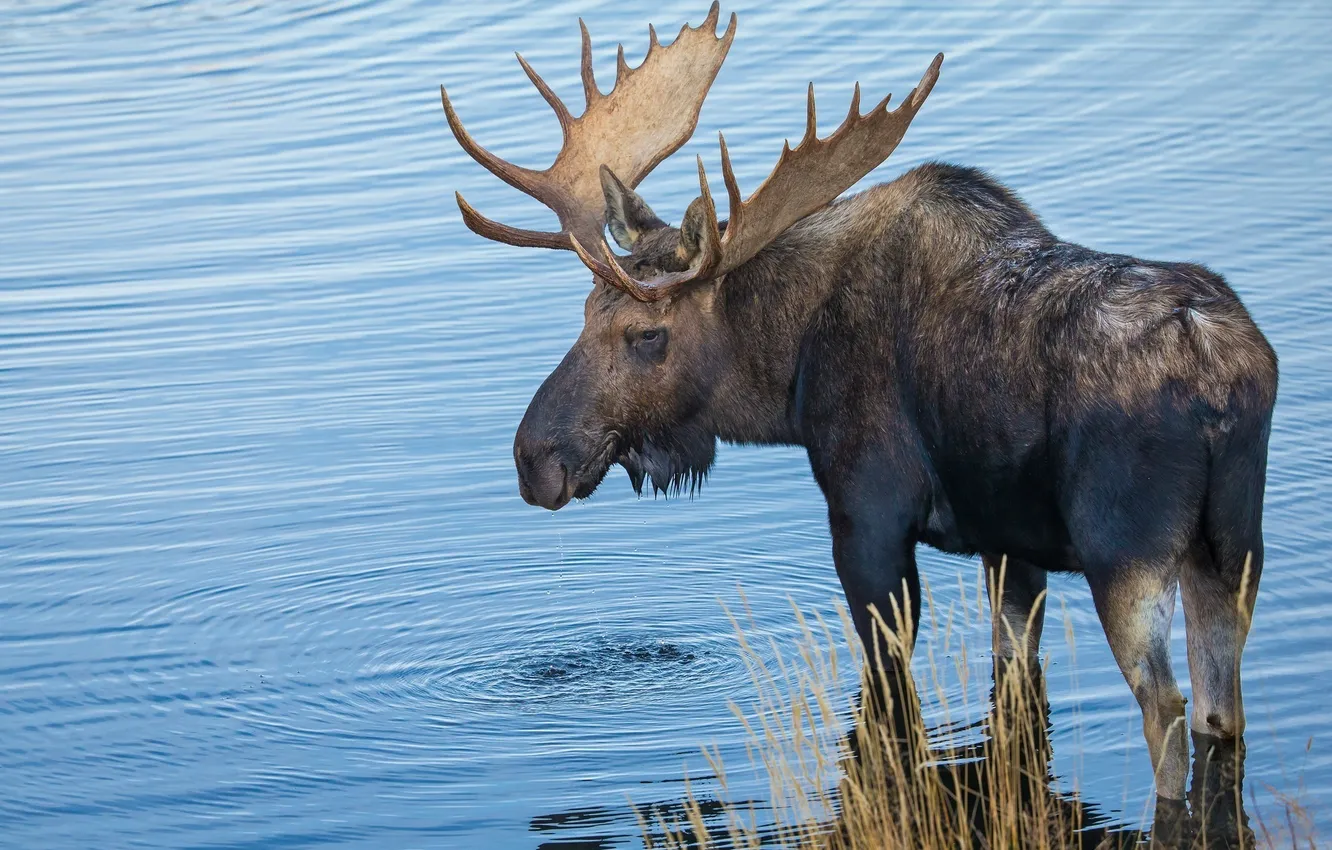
<point x="959" y="377"/>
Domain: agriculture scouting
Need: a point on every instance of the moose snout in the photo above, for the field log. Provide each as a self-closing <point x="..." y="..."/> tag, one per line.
<point x="543" y="479"/>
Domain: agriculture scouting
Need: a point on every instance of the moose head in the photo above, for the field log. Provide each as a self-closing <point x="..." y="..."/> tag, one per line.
<point x="652" y="373"/>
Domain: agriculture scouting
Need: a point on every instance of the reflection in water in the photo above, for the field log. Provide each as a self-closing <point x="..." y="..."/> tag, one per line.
<point x="604" y="826"/>
<point x="1001" y="786"/>
<point x="1010" y="747"/>
<point x="1015" y="749"/>
<point x="265" y="579"/>
<point x="1215" y="815"/>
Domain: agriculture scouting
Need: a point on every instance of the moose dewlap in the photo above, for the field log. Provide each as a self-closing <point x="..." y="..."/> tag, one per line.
<point x="958" y="375"/>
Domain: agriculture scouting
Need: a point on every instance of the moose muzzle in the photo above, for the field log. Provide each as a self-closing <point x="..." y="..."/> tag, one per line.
<point x="543" y="479"/>
<point x="545" y="449"/>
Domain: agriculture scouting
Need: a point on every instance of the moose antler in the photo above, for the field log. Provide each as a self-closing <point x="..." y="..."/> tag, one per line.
<point x="805" y="178"/>
<point x="651" y="111"/>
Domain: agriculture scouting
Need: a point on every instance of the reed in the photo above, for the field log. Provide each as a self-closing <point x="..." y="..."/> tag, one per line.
<point x="852" y="764"/>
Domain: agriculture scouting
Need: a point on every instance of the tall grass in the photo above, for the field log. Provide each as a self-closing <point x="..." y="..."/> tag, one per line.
<point x="852" y="764"/>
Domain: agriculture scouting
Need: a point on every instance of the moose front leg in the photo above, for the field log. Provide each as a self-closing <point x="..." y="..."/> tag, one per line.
<point x="876" y="562"/>
<point x="873" y="511"/>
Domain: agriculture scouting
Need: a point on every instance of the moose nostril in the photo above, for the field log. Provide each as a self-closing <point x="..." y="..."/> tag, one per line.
<point x="525" y="463"/>
<point x="542" y="478"/>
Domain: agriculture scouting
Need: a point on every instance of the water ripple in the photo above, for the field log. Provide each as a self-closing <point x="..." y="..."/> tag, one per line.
<point x="265" y="579"/>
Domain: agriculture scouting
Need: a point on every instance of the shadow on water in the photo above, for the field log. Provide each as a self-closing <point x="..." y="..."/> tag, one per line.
<point x="963" y="777"/>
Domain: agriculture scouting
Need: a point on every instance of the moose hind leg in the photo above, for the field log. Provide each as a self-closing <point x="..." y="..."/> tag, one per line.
<point x="1217" y="609"/>
<point x="1017" y="607"/>
<point x="1136" y="602"/>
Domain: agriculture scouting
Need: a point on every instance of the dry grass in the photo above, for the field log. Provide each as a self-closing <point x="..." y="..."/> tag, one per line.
<point x="891" y="781"/>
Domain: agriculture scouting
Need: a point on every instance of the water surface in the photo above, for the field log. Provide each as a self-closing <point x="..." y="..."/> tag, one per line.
<point x="265" y="578"/>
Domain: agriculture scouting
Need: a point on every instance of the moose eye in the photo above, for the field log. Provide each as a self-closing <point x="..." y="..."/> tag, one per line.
<point x="648" y="343"/>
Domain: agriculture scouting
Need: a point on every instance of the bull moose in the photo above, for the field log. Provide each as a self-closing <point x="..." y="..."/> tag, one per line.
<point x="958" y="375"/>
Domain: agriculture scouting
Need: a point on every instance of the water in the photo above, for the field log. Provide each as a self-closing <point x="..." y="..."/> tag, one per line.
<point x="265" y="578"/>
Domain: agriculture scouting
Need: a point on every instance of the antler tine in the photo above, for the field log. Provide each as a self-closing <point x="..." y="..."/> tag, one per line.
<point x="561" y="111"/>
<point x="811" y="120"/>
<point x="516" y="176"/>
<point x="926" y="84"/>
<point x="523" y="179"/>
<point x="491" y="229"/>
<point x="591" y="93"/>
<point x="714" y="14"/>
<point x="621" y="66"/>
<point x="711" y="249"/>
<point x="728" y="176"/>
<point x="854" y="112"/>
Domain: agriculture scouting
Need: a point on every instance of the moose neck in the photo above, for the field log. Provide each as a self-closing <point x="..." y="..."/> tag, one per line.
<point x="893" y="234"/>
<point x="767" y="305"/>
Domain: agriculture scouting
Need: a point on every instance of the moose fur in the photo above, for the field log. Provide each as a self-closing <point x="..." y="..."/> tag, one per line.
<point x="961" y="378"/>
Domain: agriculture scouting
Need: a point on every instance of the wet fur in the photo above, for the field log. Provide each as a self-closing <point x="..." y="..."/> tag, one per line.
<point x="672" y="463"/>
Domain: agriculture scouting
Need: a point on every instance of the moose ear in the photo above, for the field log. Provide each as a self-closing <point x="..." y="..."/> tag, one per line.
<point x="627" y="215"/>
<point x="691" y="231"/>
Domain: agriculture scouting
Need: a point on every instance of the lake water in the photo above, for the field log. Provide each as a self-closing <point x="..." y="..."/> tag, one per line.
<point x="265" y="576"/>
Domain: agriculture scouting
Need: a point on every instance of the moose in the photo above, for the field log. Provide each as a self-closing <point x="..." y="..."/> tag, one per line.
<point x="958" y="375"/>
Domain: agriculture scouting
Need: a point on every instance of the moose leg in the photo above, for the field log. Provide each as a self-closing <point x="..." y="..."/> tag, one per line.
<point x="1217" y="610"/>
<point x="1136" y="601"/>
<point x="877" y="568"/>
<point x="878" y="574"/>
<point x="1016" y="590"/>
<point x="1135" y="487"/>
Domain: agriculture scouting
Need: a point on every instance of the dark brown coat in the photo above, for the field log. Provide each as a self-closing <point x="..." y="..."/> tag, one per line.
<point x="961" y="378"/>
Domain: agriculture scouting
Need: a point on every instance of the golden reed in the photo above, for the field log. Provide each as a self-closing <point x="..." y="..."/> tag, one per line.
<point x="861" y="769"/>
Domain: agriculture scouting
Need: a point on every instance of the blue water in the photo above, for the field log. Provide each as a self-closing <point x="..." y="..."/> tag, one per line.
<point x="265" y="577"/>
